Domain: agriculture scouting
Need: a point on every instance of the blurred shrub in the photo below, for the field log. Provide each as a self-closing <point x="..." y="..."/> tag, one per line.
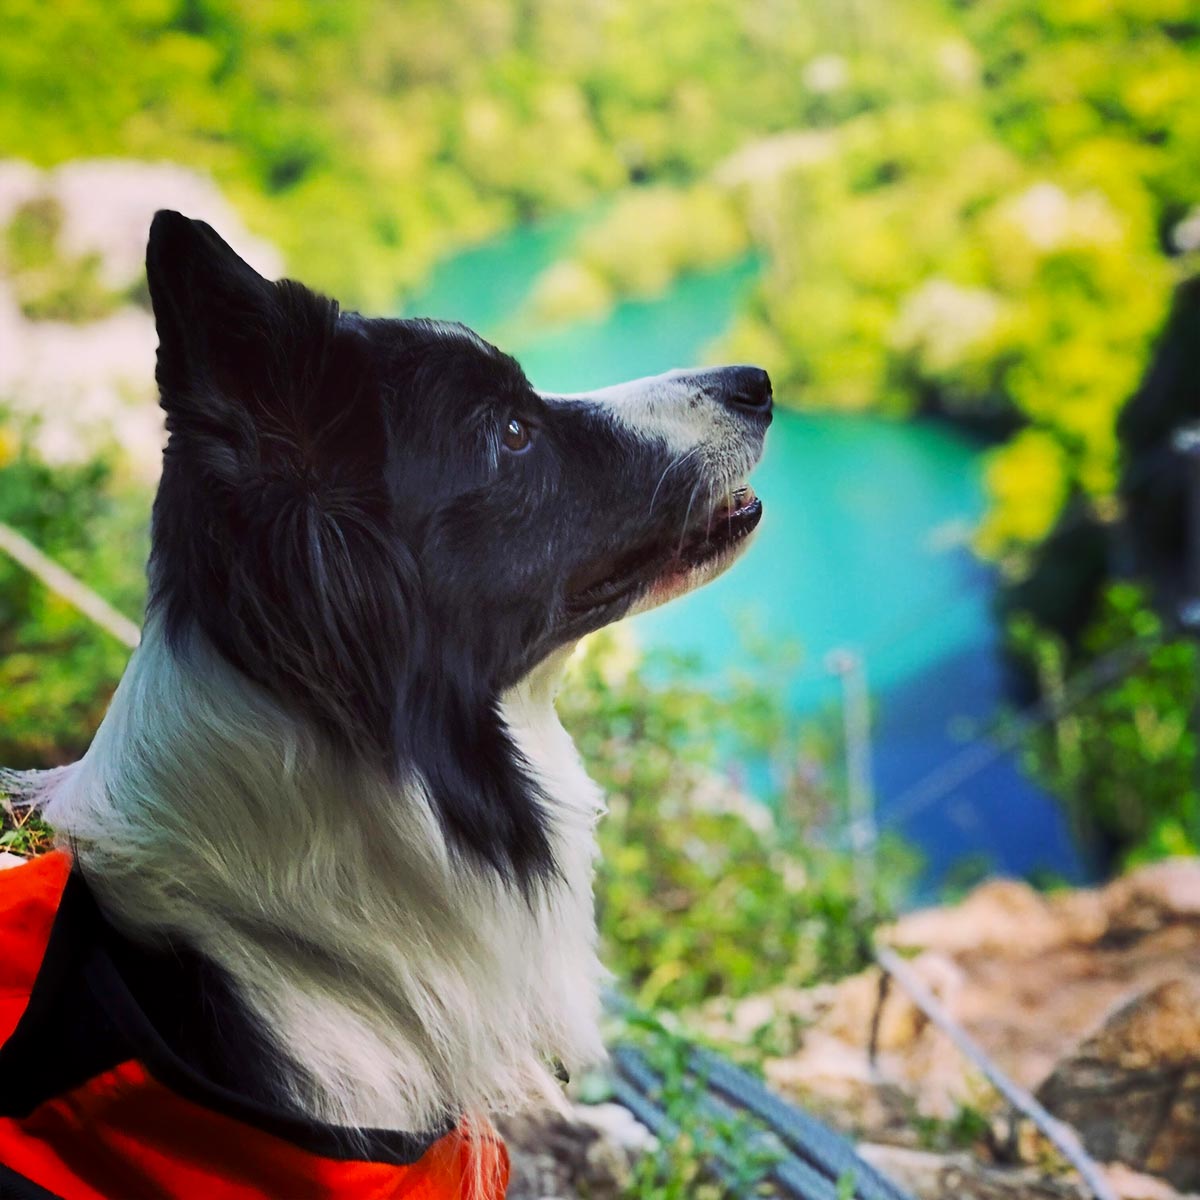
<point x="57" y="670"/>
<point x="48" y="285"/>
<point x="568" y="291"/>
<point x="367" y="137"/>
<point x="703" y="891"/>
<point x="993" y="242"/>
<point x="1125" y="758"/>
<point x="983" y="231"/>
<point x="646" y="240"/>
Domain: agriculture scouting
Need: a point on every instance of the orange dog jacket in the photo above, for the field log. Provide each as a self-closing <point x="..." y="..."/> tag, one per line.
<point x="98" y="1103"/>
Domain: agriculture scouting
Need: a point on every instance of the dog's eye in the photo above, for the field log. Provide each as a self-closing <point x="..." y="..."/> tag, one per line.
<point x="516" y="435"/>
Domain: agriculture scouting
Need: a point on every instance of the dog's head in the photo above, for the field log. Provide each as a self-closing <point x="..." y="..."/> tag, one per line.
<point x="386" y="526"/>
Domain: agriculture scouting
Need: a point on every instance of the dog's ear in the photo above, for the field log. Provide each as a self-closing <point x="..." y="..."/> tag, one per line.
<point x="257" y="377"/>
<point x="213" y="311"/>
<point x="272" y="523"/>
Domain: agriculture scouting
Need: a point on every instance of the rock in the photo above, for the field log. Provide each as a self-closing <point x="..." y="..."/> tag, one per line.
<point x="862" y="1007"/>
<point x="1033" y="980"/>
<point x="1003" y="916"/>
<point x="1082" y="916"/>
<point x="1132" y="1089"/>
<point x="589" y="1151"/>
<point x="1131" y="1185"/>
<point x="618" y="1125"/>
<point x="1008" y="918"/>
<point x="827" y="1067"/>
<point x="959" y="1177"/>
<point x="1154" y="896"/>
<point x="84" y="386"/>
<point x="107" y="204"/>
<point x="833" y="1063"/>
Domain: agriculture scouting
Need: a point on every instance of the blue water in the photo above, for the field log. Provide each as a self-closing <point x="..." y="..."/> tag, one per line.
<point x="862" y="544"/>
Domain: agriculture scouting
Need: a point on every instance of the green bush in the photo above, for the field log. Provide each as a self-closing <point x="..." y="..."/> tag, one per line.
<point x="992" y="242"/>
<point x="702" y="891"/>
<point x="1124" y="757"/>
<point x="367" y="138"/>
<point x="643" y="242"/>
<point x="57" y="670"/>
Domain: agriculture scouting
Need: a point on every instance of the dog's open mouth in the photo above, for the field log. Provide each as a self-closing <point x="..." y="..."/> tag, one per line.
<point x="708" y="540"/>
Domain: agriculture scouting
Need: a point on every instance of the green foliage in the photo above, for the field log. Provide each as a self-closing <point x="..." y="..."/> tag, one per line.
<point x="57" y="670"/>
<point x="48" y="285"/>
<point x="23" y="831"/>
<point x="646" y="240"/>
<point x="975" y="223"/>
<point x="991" y="242"/>
<point x="966" y="1129"/>
<point x="367" y="137"/>
<point x="985" y="186"/>
<point x="1124" y="759"/>
<point x="700" y="892"/>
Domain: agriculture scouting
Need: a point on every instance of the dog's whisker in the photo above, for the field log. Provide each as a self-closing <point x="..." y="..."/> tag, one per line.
<point x="687" y="516"/>
<point x="677" y="462"/>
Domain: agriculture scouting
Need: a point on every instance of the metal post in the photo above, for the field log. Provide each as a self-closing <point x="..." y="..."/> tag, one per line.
<point x="850" y="668"/>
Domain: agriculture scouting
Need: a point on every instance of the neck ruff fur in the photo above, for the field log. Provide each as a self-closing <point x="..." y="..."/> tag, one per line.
<point x="403" y="985"/>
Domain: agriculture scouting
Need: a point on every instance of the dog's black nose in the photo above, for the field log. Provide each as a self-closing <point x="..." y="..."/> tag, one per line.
<point x="745" y="389"/>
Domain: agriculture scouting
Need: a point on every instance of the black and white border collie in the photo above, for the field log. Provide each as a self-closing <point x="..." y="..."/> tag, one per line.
<point x="333" y="767"/>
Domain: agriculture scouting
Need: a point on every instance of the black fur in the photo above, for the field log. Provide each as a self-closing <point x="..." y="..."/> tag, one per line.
<point x="339" y="516"/>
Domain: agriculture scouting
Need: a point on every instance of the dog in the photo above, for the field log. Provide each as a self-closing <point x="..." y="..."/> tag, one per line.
<point x="325" y="895"/>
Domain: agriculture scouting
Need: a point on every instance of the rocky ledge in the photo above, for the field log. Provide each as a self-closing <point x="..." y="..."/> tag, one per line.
<point x="1090" y="999"/>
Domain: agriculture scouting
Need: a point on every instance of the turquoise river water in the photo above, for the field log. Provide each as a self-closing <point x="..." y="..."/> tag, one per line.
<point x="862" y="544"/>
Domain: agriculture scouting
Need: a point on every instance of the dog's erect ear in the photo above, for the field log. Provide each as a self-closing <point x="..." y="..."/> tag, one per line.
<point x="255" y="376"/>
<point x="212" y="309"/>
<point x="272" y="523"/>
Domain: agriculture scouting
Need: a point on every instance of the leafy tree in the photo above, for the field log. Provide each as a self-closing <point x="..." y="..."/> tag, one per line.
<point x="1125" y="757"/>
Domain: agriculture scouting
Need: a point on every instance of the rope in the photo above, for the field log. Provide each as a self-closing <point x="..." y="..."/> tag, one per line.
<point x="1061" y="1136"/>
<point x="825" y="1151"/>
<point x="62" y="583"/>
<point x="804" y="1159"/>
